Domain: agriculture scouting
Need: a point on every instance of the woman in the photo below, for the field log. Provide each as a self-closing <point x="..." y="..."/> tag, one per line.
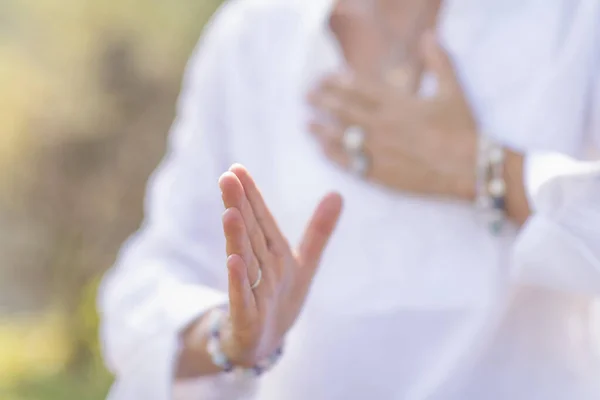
<point x="428" y="287"/>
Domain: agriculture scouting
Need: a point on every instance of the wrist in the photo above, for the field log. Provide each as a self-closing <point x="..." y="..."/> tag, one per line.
<point x="226" y="352"/>
<point x="230" y="346"/>
<point x="193" y="359"/>
<point x="517" y="203"/>
<point x="500" y="189"/>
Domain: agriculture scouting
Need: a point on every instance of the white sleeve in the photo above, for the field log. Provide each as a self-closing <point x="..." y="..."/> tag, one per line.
<point x="559" y="247"/>
<point x="594" y="120"/>
<point x="173" y="269"/>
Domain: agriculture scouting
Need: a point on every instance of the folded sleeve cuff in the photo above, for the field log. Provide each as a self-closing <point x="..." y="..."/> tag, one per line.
<point x="148" y="345"/>
<point x="185" y="304"/>
<point x="548" y="255"/>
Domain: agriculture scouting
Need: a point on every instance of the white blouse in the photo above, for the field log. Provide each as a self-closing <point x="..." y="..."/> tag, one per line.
<point x="414" y="299"/>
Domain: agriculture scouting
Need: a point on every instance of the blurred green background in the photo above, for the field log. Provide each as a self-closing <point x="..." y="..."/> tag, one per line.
<point x="88" y="89"/>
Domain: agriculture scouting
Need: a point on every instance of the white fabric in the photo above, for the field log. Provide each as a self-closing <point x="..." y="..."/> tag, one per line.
<point x="415" y="299"/>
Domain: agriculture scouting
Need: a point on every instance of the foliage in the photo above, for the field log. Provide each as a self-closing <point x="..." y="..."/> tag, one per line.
<point x="32" y="346"/>
<point x="81" y="386"/>
<point x="87" y="98"/>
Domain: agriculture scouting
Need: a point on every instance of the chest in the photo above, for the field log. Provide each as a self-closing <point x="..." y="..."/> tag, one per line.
<point x="381" y="39"/>
<point x="391" y="250"/>
<point x="510" y="57"/>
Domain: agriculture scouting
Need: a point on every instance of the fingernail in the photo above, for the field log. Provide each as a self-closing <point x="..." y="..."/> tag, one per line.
<point x="235" y="166"/>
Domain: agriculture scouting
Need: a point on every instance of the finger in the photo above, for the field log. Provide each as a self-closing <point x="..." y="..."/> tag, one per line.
<point x="437" y="60"/>
<point x="238" y="242"/>
<point x="234" y="196"/>
<point x="373" y="95"/>
<point x="335" y="152"/>
<point x="329" y="137"/>
<point x="273" y="235"/>
<point x="242" y="306"/>
<point x="353" y="88"/>
<point x="318" y="232"/>
<point x="326" y="133"/>
<point x="348" y="112"/>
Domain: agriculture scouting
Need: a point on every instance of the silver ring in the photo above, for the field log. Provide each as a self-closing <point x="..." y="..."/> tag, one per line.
<point x="353" y="139"/>
<point x="258" y="279"/>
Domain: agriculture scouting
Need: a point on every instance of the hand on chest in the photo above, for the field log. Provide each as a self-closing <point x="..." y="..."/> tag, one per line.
<point x="377" y="125"/>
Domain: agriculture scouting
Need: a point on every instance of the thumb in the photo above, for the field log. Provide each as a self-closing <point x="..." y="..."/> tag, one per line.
<point x="438" y="62"/>
<point x="319" y="230"/>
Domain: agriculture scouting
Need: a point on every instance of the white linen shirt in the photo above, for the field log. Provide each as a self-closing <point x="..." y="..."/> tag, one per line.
<point x="414" y="299"/>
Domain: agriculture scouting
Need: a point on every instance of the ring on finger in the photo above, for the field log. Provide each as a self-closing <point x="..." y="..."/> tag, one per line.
<point x="359" y="163"/>
<point x="353" y="139"/>
<point x="258" y="279"/>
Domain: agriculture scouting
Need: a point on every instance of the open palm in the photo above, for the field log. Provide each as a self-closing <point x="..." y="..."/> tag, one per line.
<point x="259" y="318"/>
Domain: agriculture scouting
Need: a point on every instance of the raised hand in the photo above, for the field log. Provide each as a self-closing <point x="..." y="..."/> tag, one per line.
<point x="259" y="317"/>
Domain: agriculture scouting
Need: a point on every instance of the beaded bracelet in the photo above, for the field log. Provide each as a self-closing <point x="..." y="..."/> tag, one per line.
<point x="491" y="186"/>
<point x="215" y="322"/>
